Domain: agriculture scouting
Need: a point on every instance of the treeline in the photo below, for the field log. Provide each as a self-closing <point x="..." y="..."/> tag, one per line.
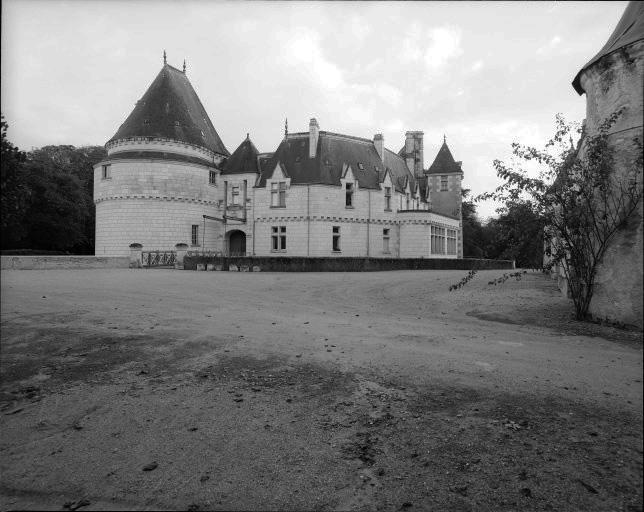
<point x="516" y="234"/>
<point x="47" y="197"/>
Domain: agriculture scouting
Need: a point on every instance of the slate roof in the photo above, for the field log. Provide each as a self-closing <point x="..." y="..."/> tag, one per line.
<point x="333" y="151"/>
<point x="243" y="160"/>
<point x="444" y="162"/>
<point x="171" y="109"/>
<point x="629" y="29"/>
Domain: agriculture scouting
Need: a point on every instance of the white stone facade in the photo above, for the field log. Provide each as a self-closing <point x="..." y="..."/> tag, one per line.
<point x="157" y="203"/>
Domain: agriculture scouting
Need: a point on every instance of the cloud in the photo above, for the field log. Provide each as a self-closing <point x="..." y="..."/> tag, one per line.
<point x="359" y="28"/>
<point x="549" y="46"/>
<point x="444" y="45"/>
<point x="303" y="51"/>
<point x="435" y="47"/>
<point x="478" y="65"/>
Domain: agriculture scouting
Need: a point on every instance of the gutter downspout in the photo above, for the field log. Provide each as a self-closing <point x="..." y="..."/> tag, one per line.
<point x="399" y="228"/>
<point x="253" y="218"/>
<point x="225" y="210"/>
<point x="368" y="220"/>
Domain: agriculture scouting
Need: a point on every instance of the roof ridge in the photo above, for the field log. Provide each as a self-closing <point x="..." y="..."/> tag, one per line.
<point x="350" y="137"/>
<point x="175" y="69"/>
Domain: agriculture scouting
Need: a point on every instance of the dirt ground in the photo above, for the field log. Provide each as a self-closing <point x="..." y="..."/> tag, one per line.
<point x="162" y="389"/>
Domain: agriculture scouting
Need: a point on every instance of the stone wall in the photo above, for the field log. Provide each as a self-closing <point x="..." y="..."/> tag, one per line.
<point x="61" y="262"/>
<point x="154" y="202"/>
<point x="312" y="211"/>
<point x="615" y="81"/>
<point x="156" y="224"/>
<point x="343" y="264"/>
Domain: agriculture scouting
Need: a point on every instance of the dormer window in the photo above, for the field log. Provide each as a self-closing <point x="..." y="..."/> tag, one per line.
<point x="203" y="136"/>
<point x="349" y="195"/>
<point x="146" y="122"/>
<point x="360" y="166"/>
<point x="297" y="158"/>
<point x="278" y="194"/>
<point x="176" y="123"/>
<point x="387" y="199"/>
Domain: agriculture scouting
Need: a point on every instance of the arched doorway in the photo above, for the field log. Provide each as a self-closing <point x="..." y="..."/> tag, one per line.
<point x="236" y="243"/>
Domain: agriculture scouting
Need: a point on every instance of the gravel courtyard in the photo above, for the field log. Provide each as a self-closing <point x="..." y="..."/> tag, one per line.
<point x="163" y="389"/>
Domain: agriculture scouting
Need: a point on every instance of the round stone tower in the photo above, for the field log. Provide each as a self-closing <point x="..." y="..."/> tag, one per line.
<point x="161" y="174"/>
<point x="614" y="80"/>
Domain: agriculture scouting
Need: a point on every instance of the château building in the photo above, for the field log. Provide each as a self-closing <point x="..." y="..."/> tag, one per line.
<point x="168" y="179"/>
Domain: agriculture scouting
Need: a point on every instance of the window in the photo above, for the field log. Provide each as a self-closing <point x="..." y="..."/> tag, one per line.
<point x="407" y="204"/>
<point x="443" y="183"/>
<point x="336" y="238"/>
<point x="195" y="234"/>
<point x="107" y="172"/>
<point x="349" y="195"/>
<point x="387" y="199"/>
<point x="278" y="194"/>
<point x="212" y="178"/>
<point x="235" y="195"/>
<point x="278" y="236"/>
<point x="385" y="241"/>
<point x="438" y="240"/>
<point x="451" y="241"/>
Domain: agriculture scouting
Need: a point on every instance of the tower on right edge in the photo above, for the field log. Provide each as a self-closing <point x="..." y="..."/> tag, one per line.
<point x="444" y="178"/>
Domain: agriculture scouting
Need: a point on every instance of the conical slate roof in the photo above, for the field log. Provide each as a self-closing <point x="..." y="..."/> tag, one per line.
<point x="629" y="29"/>
<point x="171" y="109"/>
<point x="243" y="160"/>
<point x="444" y="162"/>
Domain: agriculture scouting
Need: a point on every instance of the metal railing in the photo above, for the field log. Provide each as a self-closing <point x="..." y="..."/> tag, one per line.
<point x="158" y="258"/>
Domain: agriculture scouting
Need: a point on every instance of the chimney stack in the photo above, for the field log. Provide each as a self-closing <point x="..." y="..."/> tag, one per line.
<point x="414" y="152"/>
<point x="379" y="143"/>
<point x="314" y="134"/>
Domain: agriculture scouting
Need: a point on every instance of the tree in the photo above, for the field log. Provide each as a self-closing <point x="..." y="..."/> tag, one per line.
<point x="13" y="191"/>
<point x="61" y="212"/>
<point x="474" y="236"/>
<point x="580" y="199"/>
<point x="63" y="180"/>
<point x="517" y="234"/>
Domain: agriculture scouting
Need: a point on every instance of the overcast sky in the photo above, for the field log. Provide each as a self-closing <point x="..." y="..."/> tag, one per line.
<point x="482" y="73"/>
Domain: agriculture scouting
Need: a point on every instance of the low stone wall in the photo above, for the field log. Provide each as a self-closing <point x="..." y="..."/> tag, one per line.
<point x="58" y="262"/>
<point x="296" y="264"/>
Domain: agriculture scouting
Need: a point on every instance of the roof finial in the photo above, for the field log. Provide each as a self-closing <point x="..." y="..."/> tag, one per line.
<point x="444" y="139"/>
<point x="247" y="136"/>
<point x="285" y="127"/>
<point x="165" y="60"/>
<point x="184" y="66"/>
